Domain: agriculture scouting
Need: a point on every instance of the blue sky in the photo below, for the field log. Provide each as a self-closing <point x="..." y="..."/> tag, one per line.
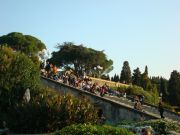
<point x="140" y="31"/>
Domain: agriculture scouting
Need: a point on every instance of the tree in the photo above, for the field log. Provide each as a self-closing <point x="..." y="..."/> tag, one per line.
<point x="25" y="43"/>
<point x="145" y="81"/>
<point x="81" y="59"/>
<point x="105" y="77"/>
<point x="146" y="70"/>
<point x="157" y="81"/>
<point x="174" y="88"/>
<point x="112" y="78"/>
<point x="125" y="76"/>
<point x="115" y="78"/>
<point x="17" y="73"/>
<point x="136" y="78"/>
<point x="164" y="88"/>
<point x="154" y="93"/>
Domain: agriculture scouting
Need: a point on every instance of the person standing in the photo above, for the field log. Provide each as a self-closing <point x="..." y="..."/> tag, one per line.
<point x="161" y="109"/>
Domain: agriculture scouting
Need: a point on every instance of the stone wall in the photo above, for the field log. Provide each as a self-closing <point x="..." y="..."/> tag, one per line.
<point x="113" y="111"/>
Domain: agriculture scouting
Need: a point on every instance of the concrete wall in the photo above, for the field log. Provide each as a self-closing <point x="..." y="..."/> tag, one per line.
<point x="113" y="111"/>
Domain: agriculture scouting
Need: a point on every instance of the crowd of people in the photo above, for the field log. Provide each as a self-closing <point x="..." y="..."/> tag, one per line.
<point x="80" y="82"/>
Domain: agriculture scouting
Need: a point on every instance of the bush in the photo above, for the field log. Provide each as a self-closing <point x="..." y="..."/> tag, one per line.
<point x="161" y="126"/>
<point x="83" y="129"/>
<point x="48" y="112"/>
<point x="120" y="88"/>
<point x="150" y="97"/>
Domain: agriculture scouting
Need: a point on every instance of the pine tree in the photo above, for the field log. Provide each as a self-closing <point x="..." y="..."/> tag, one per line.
<point x="136" y="78"/>
<point x="116" y="78"/>
<point x="174" y="88"/>
<point x="125" y="76"/>
<point x="108" y="77"/>
<point x="146" y="70"/>
<point x="112" y="78"/>
<point x="157" y="81"/>
<point x="145" y="81"/>
<point x="163" y="88"/>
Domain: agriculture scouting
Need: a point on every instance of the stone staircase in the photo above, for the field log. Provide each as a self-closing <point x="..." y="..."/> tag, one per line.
<point x="150" y="109"/>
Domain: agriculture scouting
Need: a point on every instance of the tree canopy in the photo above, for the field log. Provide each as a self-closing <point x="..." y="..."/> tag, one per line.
<point x="24" y="43"/>
<point x="81" y="59"/>
<point x="17" y="73"/>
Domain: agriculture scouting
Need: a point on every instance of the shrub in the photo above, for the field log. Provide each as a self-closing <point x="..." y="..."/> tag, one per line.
<point x="120" y="88"/>
<point x="161" y="126"/>
<point x="150" y="97"/>
<point x="48" y="112"/>
<point x="83" y="129"/>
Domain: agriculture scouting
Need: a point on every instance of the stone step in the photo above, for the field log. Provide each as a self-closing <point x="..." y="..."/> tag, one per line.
<point x="148" y="109"/>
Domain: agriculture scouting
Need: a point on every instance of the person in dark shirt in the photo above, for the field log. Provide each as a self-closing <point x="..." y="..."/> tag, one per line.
<point x="161" y="109"/>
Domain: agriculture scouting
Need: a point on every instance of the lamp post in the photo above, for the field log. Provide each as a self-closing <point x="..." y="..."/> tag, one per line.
<point x="161" y="96"/>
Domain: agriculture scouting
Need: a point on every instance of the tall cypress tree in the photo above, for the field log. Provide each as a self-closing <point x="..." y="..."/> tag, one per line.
<point x="146" y="70"/>
<point x="174" y="88"/>
<point x="136" y="78"/>
<point x="125" y="76"/>
<point x="145" y="81"/>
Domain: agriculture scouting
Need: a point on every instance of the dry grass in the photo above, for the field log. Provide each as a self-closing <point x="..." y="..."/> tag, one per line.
<point x="109" y="83"/>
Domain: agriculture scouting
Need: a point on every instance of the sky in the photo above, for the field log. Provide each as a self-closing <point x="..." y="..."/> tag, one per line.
<point x="142" y="32"/>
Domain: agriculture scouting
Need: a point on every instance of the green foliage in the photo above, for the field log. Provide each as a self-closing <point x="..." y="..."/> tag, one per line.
<point x="87" y="129"/>
<point x="136" y="78"/>
<point x="164" y="88"/>
<point x="126" y="122"/>
<point x="174" y="88"/>
<point x="17" y="73"/>
<point x="145" y="81"/>
<point x="120" y="88"/>
<point x="150" y="97"/>
<point x="24" y="43"/>
<point x="157" y="81"/>
<point x="82" y="59"/>
<point x="105" y="77"/>
<point x="47" y="112"/>
<point x="125" y="76"/>
<point x="160" y="126"/>
<point x="115" y="78"/>
<point x="146" y="70"/>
